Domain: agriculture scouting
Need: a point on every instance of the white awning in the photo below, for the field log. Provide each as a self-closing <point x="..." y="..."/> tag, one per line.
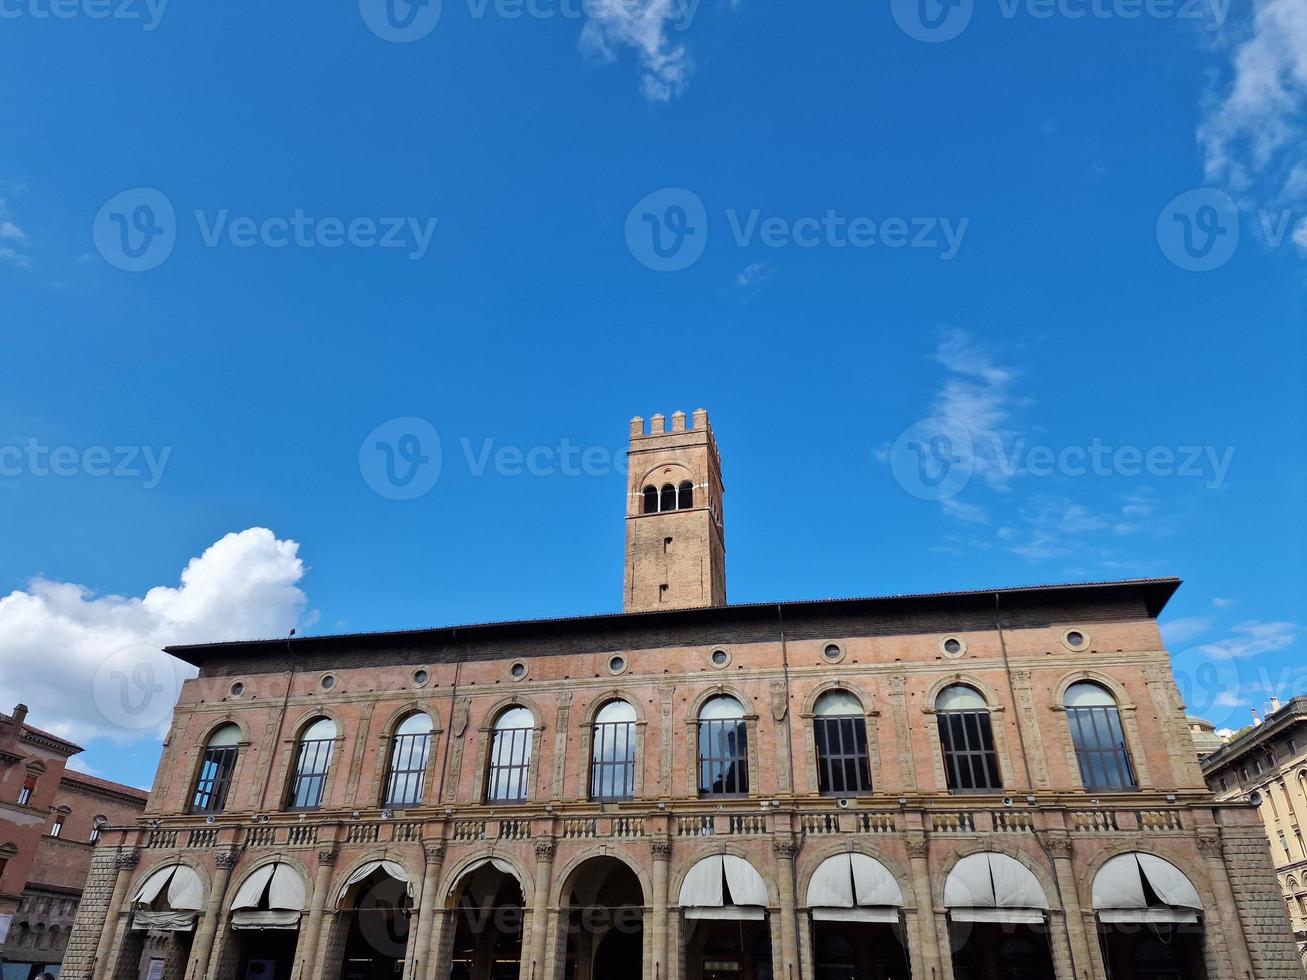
<point x="732" y="912"/>
<point x="394" y="870"/>
<point x="283" y="883"/>
<point x="1119" y="896"/>
<point x="702" y="887"/>
<point x="268" y="919"/>
<point x="184" y="888"/>
<point x="992" y="887"/>
<point x="878" y="914"/>
<point x="499" y="864"/>
<point x="166" y="921"/>
<point x="848" y="881"/>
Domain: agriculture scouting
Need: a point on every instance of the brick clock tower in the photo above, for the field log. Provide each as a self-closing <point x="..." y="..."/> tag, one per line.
<point x="675" y="547"/>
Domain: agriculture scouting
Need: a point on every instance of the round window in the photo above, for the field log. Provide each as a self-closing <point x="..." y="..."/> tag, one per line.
<point x="1075" y="639"/>
<point x="328" y="681"/>
<point x="720" y="658"/>
<point x="237" y="689"/>
<point x="518" y="670"/>
<point x="833" y="653"/>
<point x="420" y="677"/>
<point x="952" y="646"/>
<point x="617" y="665"/>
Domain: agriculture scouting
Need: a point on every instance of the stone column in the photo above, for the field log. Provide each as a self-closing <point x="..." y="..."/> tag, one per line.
<point x="539" y="969"/>
<point x="125" y="864"/>
<point x="434" y="852"/>
<point x="661" y="852"/>
<point x="1225" y="935"/>
<point x="306" y="949"/>
<point x="785" y="850"/>
<point x="1059" y="846"/>
<point x="207" y="927"/>
<point x="930" y="956"/>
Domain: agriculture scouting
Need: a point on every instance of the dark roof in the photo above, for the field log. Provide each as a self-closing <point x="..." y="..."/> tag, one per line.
<point x="675" y="627"/>
<point x="105" y="785"/>
<point x="1291" y="712"/>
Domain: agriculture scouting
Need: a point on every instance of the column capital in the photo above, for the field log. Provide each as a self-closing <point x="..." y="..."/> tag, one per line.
<point x="328" y="855"/>
<point x="1209" y="845"/>
<point x="226" y="860"/>
<point x="434" y="851"/>
<point x="917" y="846"/>
<point x="126" y="861"/>
<point x="545" y="849"/>
<point x="785" y="848"/>
<point x="1059" y="845"/>
<point x="660" y="849"/>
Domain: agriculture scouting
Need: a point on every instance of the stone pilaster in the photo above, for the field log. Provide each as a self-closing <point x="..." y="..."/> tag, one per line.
<point x="931" y="956"/>
<point x="661" y="852"/>
<point x="537" y="968"/>
<point x="785" y="850"/>
<point x="428" y="900"/>
<point x="306" y="950"/>
<point x="207" y="927"/>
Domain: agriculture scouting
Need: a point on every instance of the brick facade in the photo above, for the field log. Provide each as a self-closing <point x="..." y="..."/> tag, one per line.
<point x="542" y="867"/>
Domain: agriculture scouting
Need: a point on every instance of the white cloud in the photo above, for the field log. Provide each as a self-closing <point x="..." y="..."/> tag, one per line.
<point x="642" y="25"/>
<point x="14" y="257"/>
<point x="1256" y="129"/>
<point x="10" y="230"/>
<point x="1222" y="603"/>
<point x="1178" y="632"/>
<point x="978" y="393"/>
<point x="55" y="636"/>
<point x="1252" y="638"/>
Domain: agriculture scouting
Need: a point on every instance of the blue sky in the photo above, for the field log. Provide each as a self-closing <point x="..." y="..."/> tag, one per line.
<point x="858" y="230"/>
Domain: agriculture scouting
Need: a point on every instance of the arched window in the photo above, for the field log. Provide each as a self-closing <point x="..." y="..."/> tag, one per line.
<point x="650" y="500"/>
<point x="510" y="757"/>
<point x="839" y="730"/>
<point x="685" y="496"/>
<point x="34" y="772"/>
<point x="667" y="499"/>
<point x="410" y="749"/>
<point x="98" y="823"/>
<point x="612" y="760"/>
<point x="216" y="767"/>
<point x="723" y="748"/>
<point x="1099" y="740"/>
<point x="60" y="815"/>
<point x="967" y="740"/>
<point x="312" y="762"/>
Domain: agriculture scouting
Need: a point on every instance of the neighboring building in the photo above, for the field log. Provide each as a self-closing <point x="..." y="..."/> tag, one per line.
<point x="50" y="820"/>
<point x="1206" y="741"/>
<point x="1267" y="766"/>
<point x="994" y="784"/>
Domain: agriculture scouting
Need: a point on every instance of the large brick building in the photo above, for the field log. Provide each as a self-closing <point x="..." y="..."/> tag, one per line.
<point x="50" y="820"/>
<point x="1266" y="765"/>
<point x="990" y="784"/>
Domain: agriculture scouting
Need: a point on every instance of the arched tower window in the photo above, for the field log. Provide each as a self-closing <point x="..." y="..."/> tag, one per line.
<point x="1099" y="739"/>
<point x="510" y="757"/>
<point x="216" y="768"/>
<point x="667" y="498"/>
<point x="312" y="763"/>
<point x="612" y="760"/>
<point x="723" y="748"/>
<point x="685" y="496"/>
<point x="966" y="737"/>
<point x="650" y="500"/>
<point x="409" y="751"/>
<point x="839" y="731"/>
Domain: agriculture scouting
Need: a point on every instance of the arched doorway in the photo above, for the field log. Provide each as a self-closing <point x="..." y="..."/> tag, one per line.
<point x="724" y="930"/>
<point x="602" y="917"/>
<point x="855" y="905"/>
<point x="165" y="908"/>
<point x="1149" y="919"/>
<point x="375" y="908"/>
<point x="487" y="917"/>
<point x="998" y="920"/>
<point x="264" y="925"/>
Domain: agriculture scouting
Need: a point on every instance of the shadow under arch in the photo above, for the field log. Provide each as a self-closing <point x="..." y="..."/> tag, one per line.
<point x="373" y="920"/>
<point x="601" y="921"/>
<point x="484" y="936"/>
